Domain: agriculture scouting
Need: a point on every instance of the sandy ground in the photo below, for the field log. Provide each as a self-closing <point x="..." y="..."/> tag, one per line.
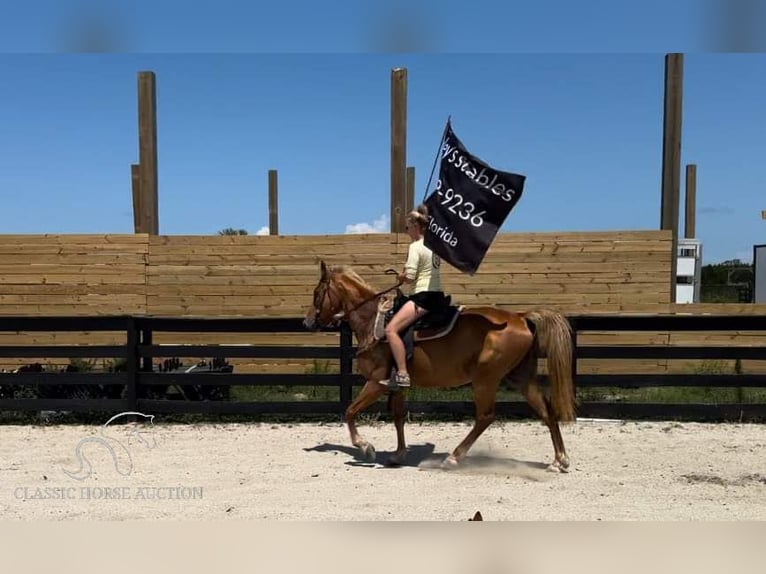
<point x="620" y="471"/>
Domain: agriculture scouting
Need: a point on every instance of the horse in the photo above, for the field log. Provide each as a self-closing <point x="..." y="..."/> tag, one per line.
<point x="486" y="345"/>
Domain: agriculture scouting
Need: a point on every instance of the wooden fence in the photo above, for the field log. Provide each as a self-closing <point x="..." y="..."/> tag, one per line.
<point x="140" y="347"/>
<point x="272" y="276"/>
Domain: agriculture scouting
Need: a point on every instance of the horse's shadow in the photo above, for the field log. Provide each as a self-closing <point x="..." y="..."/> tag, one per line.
<point x="416" y="454"/>
<point x="424" y="457"/>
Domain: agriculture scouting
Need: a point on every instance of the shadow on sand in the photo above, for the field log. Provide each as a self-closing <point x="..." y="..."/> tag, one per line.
<point x="424" y="457"/>
<point x="415" y="454"/>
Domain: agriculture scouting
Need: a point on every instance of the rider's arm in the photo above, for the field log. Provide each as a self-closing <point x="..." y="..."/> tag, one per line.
<point x="409" y="272"/>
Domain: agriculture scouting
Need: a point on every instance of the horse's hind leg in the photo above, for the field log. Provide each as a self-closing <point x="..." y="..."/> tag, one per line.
<point x="531" y="391"/>
<point x="524" y="378"/>
<point x="370" y="392"/>
<point x="484" y="392"/>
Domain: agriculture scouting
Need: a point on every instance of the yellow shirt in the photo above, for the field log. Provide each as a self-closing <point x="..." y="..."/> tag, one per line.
<point x="423" y="266"/>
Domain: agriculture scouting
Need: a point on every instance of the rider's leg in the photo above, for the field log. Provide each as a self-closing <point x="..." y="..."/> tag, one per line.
<point x="407" y="315"/>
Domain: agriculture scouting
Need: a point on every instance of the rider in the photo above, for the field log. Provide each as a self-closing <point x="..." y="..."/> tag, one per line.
<point x="422" y="270"/>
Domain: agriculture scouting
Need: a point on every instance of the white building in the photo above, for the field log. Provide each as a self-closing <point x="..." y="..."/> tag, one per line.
<point x="688" y="270"/>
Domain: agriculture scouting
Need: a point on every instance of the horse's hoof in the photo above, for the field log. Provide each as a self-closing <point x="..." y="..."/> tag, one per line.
<point x="559" y="467"/>
<point x="449" y="463"/>
<point x="368" y="452"/>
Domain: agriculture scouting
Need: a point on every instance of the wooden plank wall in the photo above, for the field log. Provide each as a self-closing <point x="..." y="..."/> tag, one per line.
<point x="254" y="275"/>
<point x="73" y="274"/>
<point x="596" y="272"/>
<point x="274" y="275"/>
<point x="257" y="276"/>
<point x="56" y="275"/>
<point x="577" y="272"/>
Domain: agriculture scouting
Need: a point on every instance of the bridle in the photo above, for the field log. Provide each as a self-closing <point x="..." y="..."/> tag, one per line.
<point x="318" y="308"/>
<point x="342" y="315"/>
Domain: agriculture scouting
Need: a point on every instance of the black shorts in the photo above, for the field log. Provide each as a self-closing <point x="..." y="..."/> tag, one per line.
<point x="428" y="300"/>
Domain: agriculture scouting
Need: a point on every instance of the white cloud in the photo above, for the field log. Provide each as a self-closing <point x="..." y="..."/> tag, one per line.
<point x="263" y="230"/>
<point x="380" y="225"/>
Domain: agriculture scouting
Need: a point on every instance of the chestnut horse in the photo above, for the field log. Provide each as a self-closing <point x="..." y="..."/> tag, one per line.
<point x="487" y="345"/>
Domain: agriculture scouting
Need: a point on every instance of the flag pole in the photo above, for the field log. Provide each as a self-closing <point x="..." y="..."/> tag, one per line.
<point x="436" y="159"/>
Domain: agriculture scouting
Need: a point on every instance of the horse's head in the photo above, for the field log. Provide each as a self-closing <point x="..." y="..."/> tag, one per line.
<point x="327" y="304"/>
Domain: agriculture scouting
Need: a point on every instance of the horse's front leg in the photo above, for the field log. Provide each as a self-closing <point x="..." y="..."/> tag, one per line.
<point x="370" y="392"/>
<point x="398" y="408"/>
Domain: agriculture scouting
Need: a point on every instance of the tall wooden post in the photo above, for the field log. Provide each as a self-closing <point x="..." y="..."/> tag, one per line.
<point x="135" y="182"/>
<point x="409" y="198"/>
<point x="273" y="205"/>
<point x="691" y="202"/>
<point x="671" y="156"/>
<point x="398" y="147"/>
<point x="147" y="151"/>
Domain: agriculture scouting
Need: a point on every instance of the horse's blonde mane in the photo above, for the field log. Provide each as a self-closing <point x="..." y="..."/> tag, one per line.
<point x="349" y="272"/>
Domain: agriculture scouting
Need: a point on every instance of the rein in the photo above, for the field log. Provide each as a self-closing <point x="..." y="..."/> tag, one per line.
<point x="398" y="284"/>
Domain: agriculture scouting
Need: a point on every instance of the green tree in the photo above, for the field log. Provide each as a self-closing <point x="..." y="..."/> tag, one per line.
<point x="726" y="282"/>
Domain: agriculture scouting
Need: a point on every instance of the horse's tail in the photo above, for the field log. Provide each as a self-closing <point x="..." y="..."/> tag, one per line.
<point x="554" y="341"/>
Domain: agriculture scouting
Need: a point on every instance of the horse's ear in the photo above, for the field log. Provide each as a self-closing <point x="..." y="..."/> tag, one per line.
<point x="323" y="267"/>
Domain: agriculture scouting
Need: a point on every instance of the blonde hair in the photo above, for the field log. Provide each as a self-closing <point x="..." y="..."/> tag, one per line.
<point x="419" y="216"/>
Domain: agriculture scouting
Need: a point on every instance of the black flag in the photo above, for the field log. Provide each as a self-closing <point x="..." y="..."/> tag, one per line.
<point x="468" y="206"/>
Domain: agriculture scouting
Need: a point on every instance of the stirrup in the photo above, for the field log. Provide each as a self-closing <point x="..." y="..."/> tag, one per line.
<point x="402" y="379"/>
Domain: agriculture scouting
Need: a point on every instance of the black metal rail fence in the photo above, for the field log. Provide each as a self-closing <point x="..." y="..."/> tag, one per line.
<point x="131" y="387"/>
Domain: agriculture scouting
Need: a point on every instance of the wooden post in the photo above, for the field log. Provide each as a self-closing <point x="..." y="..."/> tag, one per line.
<point x="671" y="156"/>
<point x="691" y="201"/>
<point x="132" y="366"/>
<point x="136" y="188"/>
<point x="147" y="151"/>
<point x="273" y="207"/>
<point x="409" y="198"/>
<point x="146" y="336"/>
<point x="398" y="147"/>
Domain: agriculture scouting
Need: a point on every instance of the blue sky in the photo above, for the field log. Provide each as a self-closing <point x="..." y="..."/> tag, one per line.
<point x="586" y="130"/>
